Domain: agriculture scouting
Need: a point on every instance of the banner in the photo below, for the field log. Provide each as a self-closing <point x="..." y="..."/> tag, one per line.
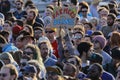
<point x="64" y="16"/>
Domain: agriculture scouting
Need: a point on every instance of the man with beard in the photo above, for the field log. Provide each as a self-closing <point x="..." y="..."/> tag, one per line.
<point x="95" y="72"/>
<point x="19" y="9"/>
<point x="110" y="21"/>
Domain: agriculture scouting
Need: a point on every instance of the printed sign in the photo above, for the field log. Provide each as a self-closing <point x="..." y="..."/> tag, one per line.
<point x="64" y="16"/>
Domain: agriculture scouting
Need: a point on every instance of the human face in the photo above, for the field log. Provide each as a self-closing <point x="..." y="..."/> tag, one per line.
<point x="44" y="50"/>
<point x="18" y="5"/>
<point x="19" y="43"/>
<point x="7" y="27"/>
<point x="38" y="34"/>
<point x="96" y="44"/>
<point x="50" y="34"/>
<point x="68" y="70"/>
<point x="5" y="74"/>
<point x="30" y="16"/>
<point x="87" y="27"/>
<point x="110" y="21"/>
<point x="103" y="13"/>
<point x="84" y="12"/>
<point x="28" y="52"/>
<point x="77" y="38"/>
<point x="72" y="61"/>
<point x="52" y="76"/>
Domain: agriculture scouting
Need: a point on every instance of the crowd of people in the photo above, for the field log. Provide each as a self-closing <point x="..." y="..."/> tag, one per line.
<point x="32" y="49"/>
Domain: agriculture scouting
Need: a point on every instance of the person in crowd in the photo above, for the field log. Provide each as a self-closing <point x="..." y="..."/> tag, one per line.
<point x="31" y="18"/>
<point x="70" y="70"/>
<point x="29" y="72"/>
<point x="32" y="52"/>
<point x="114" y="64"/>
<point x="45" y="50"/>
<point x="54" y="72"/>
<point x="5" y="46"/>
<point x="95" y="71"/>
<point x="109" y="28"/>
<point x="85" y="49"/>
<point x="8" y="72"/>
<point x="51" y="35"/>
<point x="93" y="8"/>
<point x="19" y="12"/>
<point x="97" y="58"/>
<point x="114" y="40"/>
<point x="99" y="42"/>
<point x="38" y="33"/>
<point x="75" y="60"/>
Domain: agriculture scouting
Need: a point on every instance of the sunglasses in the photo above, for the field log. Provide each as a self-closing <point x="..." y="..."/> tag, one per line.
<point x="28" y="53"/>
<point x="3" y="74"/>
<point x="84" y="11"/>
<point x="49" y="31"/>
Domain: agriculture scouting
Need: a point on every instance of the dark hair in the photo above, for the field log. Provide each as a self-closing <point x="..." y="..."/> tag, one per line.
<point x="74" y="2"/>
<point x="84" y="47"/>
<point x="3" y="40"/>
<point x="89" y="24"/>
<point x="113" y="16"/>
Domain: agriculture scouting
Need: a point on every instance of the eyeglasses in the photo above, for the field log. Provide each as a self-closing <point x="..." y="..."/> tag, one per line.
<point x="77" y="37"/>
<point x="28" y="53"/>
<point x="49" y="31"/>
<point x="3" y="74"/>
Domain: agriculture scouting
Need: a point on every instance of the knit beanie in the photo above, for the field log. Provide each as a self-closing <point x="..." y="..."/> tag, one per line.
<point x="101" y="39"/>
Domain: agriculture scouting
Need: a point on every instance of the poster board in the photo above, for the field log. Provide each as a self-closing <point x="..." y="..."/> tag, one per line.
<point x="64" y="16"/>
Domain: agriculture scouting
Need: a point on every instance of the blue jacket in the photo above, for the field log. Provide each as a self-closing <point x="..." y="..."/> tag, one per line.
<point x="50" y="62"/>
<point x="9" y="47"/>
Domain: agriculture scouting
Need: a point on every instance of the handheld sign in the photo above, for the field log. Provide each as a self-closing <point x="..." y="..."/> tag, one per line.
<point x="64" y="16"/>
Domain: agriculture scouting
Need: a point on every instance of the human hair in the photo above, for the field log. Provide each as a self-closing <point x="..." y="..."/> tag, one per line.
<point x="78" y="60"/>
<point x="95" y="33"/>
<point x="28" y="2"/>
<point x="89" y="24"/>
<point x="99" y="67"/>
<point x="13" y="70"/>
<point x="7" y="56"/>
<point x="84" y="47"/>
<point x="37" y="65"/>
<point x="34" y="11"/>
<point x="31" y="31"/>
<point x="113" y="16"/>
<point x="2" y="39"/>
<point x="74" y="69"/>
<point x="36" y="55"/>
<point x="74" y="2"/>
<point x="115" y="39"/>
<point x="48" y="44"/>
<point x="17" y="55"/>
<point x="85" y="5"/>
<point x="8" y="22"/>
<point x="19" y="22"/>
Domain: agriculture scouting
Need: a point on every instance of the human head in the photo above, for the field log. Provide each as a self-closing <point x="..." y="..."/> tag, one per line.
<point x="84" y="47"/>
<point x="111" y="19"/>
<point x="95" y="71"/>
<point x="8" y="72"/>
<point x="101" y="40"/>
<point x="69" y="70"/>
